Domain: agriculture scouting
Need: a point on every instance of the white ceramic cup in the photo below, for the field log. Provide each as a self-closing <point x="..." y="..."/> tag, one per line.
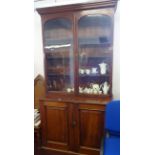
<point x="94" y="70"/>
<point x="81" y="71"/>
<point x="87" y="71"/>
<point x="100" y="92"/>
<point x="69" y="90"/>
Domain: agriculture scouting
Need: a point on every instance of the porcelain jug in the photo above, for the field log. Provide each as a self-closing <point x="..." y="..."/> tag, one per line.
<point x="105" y="88"/>
<point x="103" y="68"/>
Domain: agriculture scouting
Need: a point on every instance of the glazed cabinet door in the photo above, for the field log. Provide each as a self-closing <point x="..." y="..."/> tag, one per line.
<point x="91" y="120"/>
<point x="54" y="117"/>
<point x="59" y="54"/>
<point x="95" y="42"/>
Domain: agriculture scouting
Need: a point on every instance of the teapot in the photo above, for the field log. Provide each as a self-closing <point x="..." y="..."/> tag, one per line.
<point x="105" y="87"/>
<point x="95" y="87"/>
<point x="103" y="68"/>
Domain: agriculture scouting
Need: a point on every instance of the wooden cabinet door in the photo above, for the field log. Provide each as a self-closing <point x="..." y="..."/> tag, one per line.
<point x="91" y="120"/>
<point x="72" y="127"/>
<point x="54" y="117"/>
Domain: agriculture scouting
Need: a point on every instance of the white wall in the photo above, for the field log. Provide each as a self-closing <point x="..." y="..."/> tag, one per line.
<point x="116" y="55"/>
<point x="38" y="50"/>
<point x="38" y="55"/>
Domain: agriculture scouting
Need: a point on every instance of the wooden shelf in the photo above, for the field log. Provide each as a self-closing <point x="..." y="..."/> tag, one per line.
<point x="56" y="57"/>
<point x="107" y="55"/>
<point x="99" y="57"/>
<point x="49" y="74"/>
<point x="94" y="75"/>
<point x="58" y="70"/>
<point x="95" y="45"/>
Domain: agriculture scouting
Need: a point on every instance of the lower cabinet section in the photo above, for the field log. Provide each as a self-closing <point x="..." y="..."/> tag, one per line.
<point x="71" y="128"/>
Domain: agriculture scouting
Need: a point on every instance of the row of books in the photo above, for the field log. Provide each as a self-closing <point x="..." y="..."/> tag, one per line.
<point x="36" y="118"/>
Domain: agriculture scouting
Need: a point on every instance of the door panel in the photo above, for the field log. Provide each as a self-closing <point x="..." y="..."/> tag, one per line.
<point x="91" y="126"/>
<point x="55" y="125"/>
<point x="95" y="53"/>
<point x="58" y="46"/>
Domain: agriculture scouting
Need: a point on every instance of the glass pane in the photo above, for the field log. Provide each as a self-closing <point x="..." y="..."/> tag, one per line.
<point x="95" y="46"/>
<point x="58" y="41"/>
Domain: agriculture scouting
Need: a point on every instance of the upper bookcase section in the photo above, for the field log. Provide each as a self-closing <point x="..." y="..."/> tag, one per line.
<point x="78" y="48"/>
